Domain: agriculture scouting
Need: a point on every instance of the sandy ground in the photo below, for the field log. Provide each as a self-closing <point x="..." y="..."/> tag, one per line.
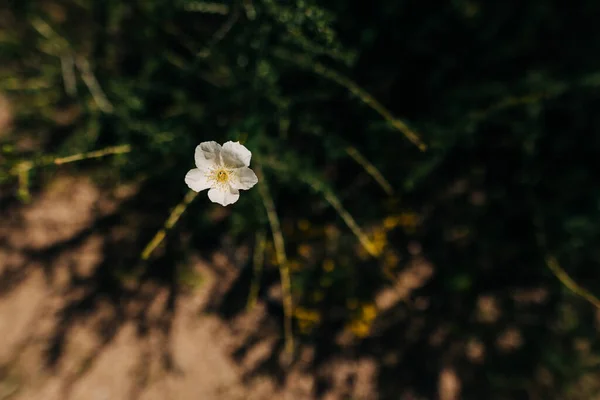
<point x="62" y="339"/>
<point x="35" y="303"/>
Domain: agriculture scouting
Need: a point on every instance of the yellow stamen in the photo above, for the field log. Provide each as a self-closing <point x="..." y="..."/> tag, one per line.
<point x="222" y="176"/>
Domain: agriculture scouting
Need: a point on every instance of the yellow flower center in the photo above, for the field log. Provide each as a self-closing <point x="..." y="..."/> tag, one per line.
<point x="222" y="176"/>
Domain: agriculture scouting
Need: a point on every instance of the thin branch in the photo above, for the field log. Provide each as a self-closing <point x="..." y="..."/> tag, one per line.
<point x="371" y="169"/>
<point x="221" y="32"/>
<point x="23" y="175"/>
<point x="356" y="90"/>
<point x="554" y="266"/>
<point x="125" y="148"/>
<point x="348" y="219"/>
<point x="91" y="82"/>
<point x="67" y="64"/>
<point x="334" y="201"/>
<point x="284" y="270"/>
<point x="226" y="27"/>
<point x="169" y="224"/>
<point x="206" y="7"/>
<point x="569" y="283"/>
<point x="21" y="169"/>
<point x="50" y="160"/>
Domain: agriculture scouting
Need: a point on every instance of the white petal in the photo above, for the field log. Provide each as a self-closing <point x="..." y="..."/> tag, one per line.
<point x="231" y="160"/>
<point x="197" y="180"/>
<point x="239" y="151"/>
<point x="243" y="178"/>
<point x="223" y="197"/>
<point x="207" y="154"/>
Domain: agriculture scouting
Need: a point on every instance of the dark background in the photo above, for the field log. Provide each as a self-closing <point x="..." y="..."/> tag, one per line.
<point x="503" y="94"/>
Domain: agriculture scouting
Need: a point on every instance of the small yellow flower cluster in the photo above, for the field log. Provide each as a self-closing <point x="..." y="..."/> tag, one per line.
<point x="379" y="240"/>
<point x="361" y="324"/>
<point x="307" y="319"/>
<point x="409" y="221"/>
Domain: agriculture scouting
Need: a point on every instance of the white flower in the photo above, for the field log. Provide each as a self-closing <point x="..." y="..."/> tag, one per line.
<point x="222" y="169"/>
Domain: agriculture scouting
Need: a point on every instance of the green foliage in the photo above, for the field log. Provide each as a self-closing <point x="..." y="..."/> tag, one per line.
<point x="503" y="94"/>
